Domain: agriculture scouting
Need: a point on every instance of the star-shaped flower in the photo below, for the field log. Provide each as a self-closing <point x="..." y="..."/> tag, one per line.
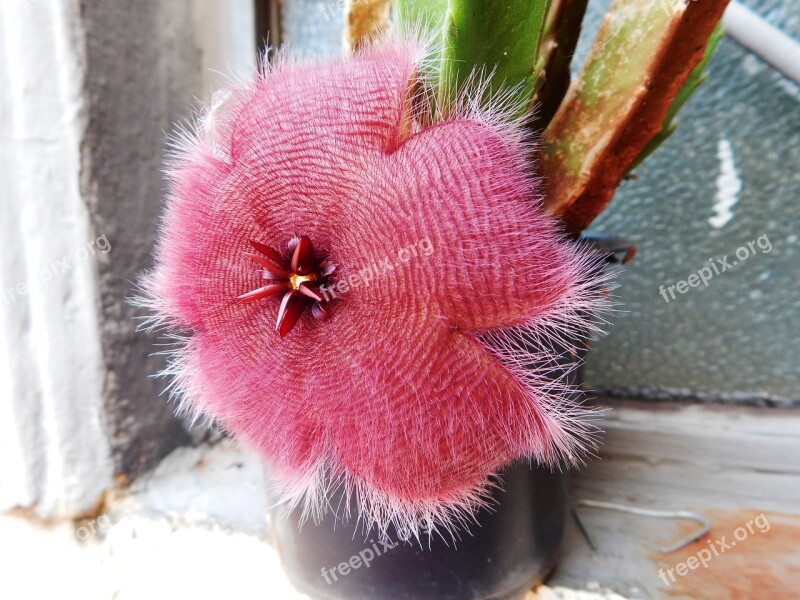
<point x="452" y="289"/>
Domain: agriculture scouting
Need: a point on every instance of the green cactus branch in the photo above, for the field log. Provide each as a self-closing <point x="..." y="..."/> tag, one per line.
<point x="560" y="37"/>
<point x="640" y="60"/>
<point x="491" y="36"/>
<point x="697" y="77"/>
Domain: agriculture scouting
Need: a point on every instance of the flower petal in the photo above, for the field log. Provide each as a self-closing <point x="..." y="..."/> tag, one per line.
<point x="460" y="232"/>
<point x="355" y="106"/>
<point x="431" y="413"/>
<point x="303" y="255"/>
<point x="437" y="238"/>
<point x="289" y="313"/>
<point x="269" y="265"/>
<point x="273" y="256"/>
<point x="310" y="292"/>
<point x="266" y="291"/>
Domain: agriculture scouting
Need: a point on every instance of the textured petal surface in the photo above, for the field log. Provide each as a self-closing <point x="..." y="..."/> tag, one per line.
<point x="409" y="392"/>
<point x="465" y="190"/>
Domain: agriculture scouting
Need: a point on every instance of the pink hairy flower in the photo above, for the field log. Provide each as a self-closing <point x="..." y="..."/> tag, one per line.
<point x="418" y="290"/>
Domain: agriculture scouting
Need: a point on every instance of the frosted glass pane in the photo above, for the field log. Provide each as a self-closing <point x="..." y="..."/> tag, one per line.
<point x="737" y="338"/>
<point x="313" y="27"/>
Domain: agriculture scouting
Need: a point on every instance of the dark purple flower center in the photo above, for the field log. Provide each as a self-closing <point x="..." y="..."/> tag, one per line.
<point x="298" y="276"/>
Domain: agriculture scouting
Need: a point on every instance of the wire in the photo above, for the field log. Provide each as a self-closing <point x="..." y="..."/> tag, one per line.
<point x="645" y="512"/>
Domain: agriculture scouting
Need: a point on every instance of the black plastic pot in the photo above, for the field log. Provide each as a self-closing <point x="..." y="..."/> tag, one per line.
<point x="512" y="548"/>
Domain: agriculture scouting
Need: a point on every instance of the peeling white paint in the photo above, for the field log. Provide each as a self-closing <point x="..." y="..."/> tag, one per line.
<point x="729" y="184"/>
<point x="58" y="458"/>
<point x="54" y="446"/>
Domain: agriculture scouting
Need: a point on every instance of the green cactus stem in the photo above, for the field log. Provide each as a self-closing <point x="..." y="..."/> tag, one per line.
<point x="560" y="37"/>
<point x="502" y="38"/>
<point x="698" y="76"/>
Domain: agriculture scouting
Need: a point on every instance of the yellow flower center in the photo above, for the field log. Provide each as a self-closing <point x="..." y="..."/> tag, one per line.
<point x="295" y="280"/>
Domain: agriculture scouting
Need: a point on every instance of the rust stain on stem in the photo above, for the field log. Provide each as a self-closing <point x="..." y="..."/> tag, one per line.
<point x="364" y="20"/>
<point x="640" y="59"/>
<point x="562" y="29"/>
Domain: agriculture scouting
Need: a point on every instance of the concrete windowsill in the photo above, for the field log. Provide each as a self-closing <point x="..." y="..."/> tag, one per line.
<point x="196" y="526"/>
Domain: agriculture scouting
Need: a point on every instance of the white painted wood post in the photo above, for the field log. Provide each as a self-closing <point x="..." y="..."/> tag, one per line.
<point x="54" y="452"/>
<point x="59" y="448"/>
